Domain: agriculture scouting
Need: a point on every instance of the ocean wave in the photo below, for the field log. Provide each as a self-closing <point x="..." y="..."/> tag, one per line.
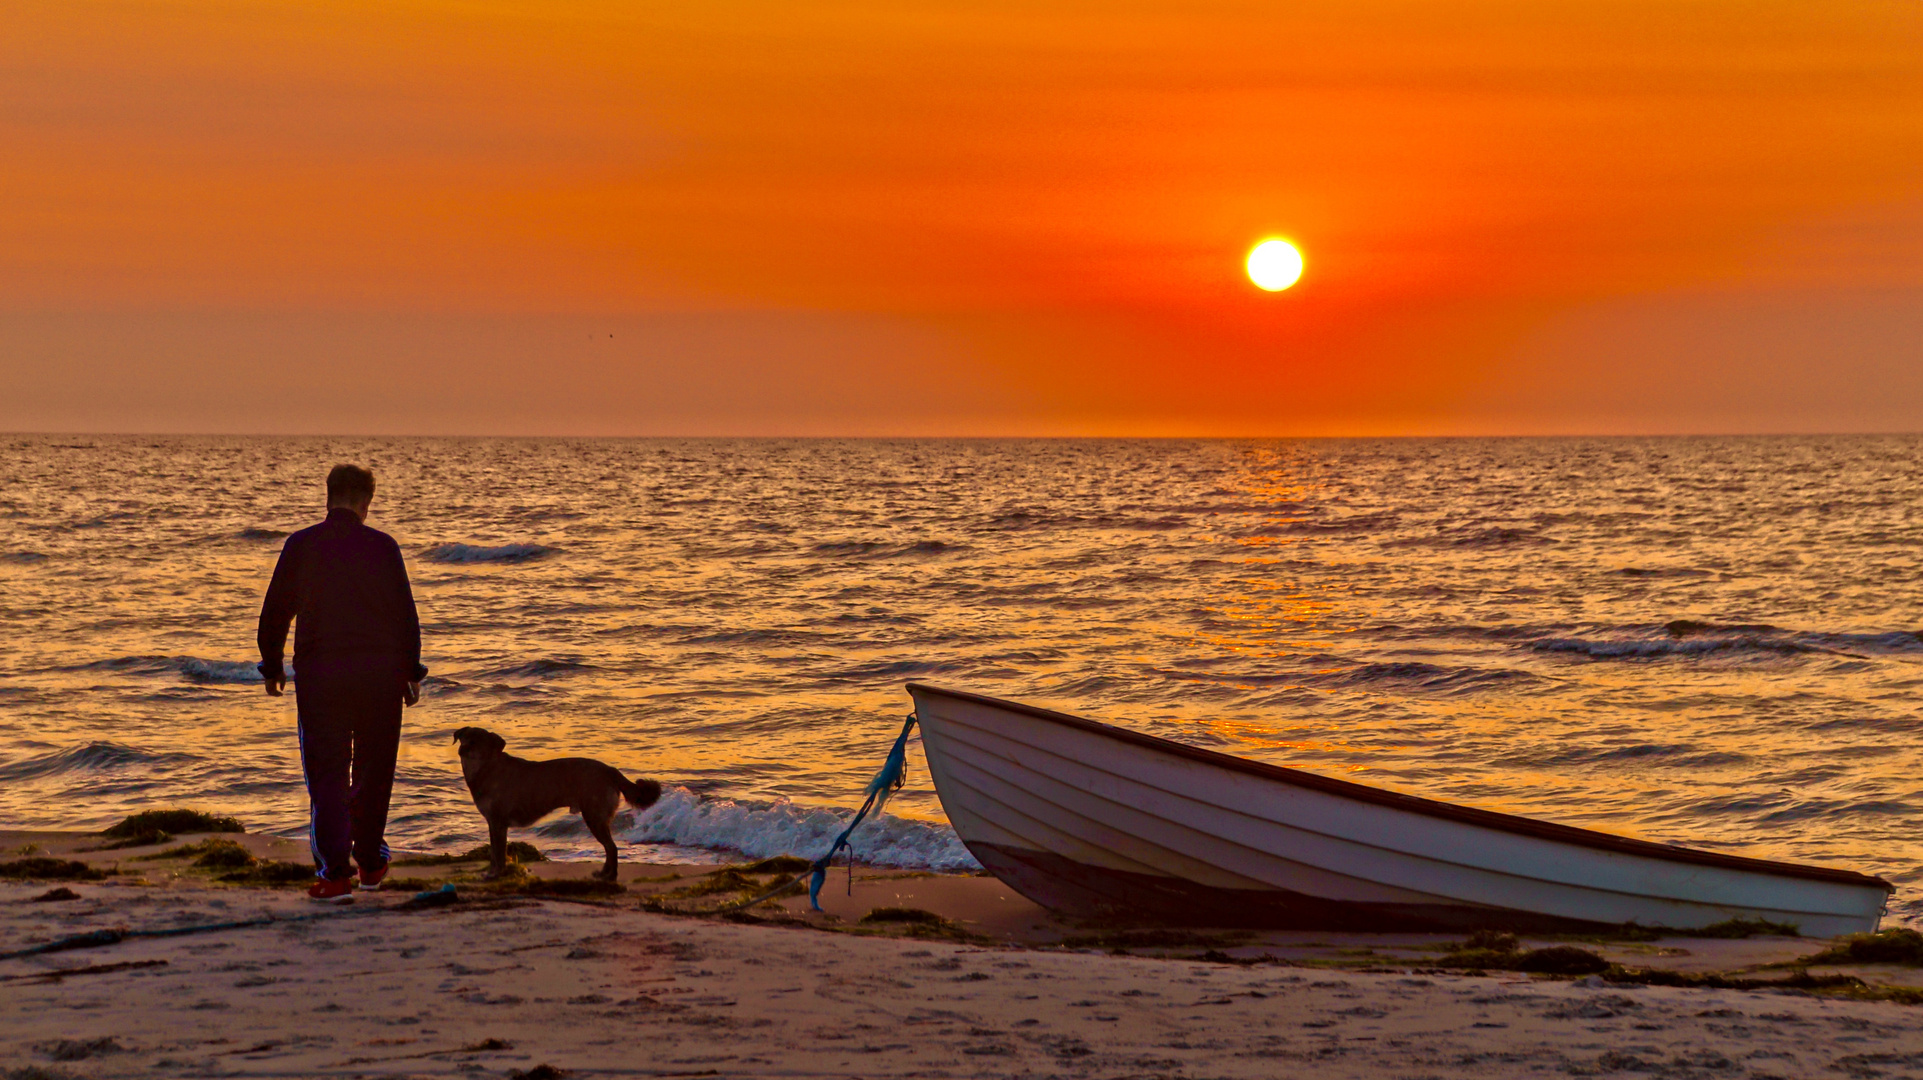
<point x="91" y="757"/>
<point x="1670" y="755"/>
<point x="1477" y="538"/>
<point x="260" y="534"/>
<point x="783" y="828"/>
<point x="1778" y="807"/>
<point x="1418" y="677"/>
<point x="1143" y="524"/>
<point x="1402" y="676"/>
<point x="193" y="668"/>
<point x="898" y="669"/>
<point x="1681" y="628"/>
<point x="22" y="558"/>
<point x="875" y="549"/>
<point x="535" y="669"/>
<point x="764" y="638"/>
<point x="1324" y="524"/>
<point x="104" y="520"/>
<point x="473" y="553"/>
<point x="1891" y="641"/>
<point x="1633" y="648"/>
<point x="1699" y="638"/>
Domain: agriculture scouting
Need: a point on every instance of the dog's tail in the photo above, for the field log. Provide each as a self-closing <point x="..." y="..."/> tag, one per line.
<point x="640" y="794"/>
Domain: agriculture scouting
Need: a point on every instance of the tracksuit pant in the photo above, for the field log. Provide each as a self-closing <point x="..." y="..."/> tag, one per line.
<point x="350" y="734"/>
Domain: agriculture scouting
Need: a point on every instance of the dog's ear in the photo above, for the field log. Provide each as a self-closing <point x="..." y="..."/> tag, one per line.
<point x="480" y="740"/>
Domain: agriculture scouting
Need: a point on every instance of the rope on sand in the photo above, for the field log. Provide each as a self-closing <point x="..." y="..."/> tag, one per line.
<point x="893" y="774"/>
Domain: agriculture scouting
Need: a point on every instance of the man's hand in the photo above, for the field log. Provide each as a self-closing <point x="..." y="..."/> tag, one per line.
<point x="411" y="693"/>
<point x="274" y="685"/>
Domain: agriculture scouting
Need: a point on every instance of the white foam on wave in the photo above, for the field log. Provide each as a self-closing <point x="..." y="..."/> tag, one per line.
<point x="221" y="671"/>
<point x="783" y="828"/>
<point x="474" y="553"/>
<point x="192" y="668"/>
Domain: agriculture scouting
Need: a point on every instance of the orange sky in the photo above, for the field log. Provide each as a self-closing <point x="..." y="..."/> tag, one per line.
<point x="875" y="218"/>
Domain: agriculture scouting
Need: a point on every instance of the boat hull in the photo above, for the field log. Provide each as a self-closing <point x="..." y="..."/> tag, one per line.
<point x="1097" y="821"/>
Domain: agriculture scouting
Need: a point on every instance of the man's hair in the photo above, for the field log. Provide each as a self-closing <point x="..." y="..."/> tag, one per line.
<point x="349" y="484"/>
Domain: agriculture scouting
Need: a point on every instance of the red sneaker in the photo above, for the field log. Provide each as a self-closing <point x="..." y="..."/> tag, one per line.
<point x="333" y="891"/>
<point x="371" y="879"/>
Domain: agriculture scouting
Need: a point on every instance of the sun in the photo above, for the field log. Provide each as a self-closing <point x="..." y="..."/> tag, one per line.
<point x="1274" y="265"/>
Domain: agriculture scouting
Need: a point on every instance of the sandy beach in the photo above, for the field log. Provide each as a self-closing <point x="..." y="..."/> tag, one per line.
<point x="1103" y="480"/>
<point x="503" y="984"/>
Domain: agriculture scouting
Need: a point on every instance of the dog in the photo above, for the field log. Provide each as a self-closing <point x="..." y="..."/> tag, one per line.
<point x="513" y="793"/>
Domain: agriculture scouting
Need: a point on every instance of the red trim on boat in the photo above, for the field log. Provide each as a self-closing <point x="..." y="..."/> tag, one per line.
<point x="1489" y="819"/>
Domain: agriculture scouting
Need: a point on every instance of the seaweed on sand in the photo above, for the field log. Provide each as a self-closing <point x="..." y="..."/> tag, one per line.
<point x="919" y="923"/>
<point x="81" y="1049"/>
<point x="1217" y="956"/>
<point x="39" y="1072"/>
<point x="728" y="884"/>
<point x="270" y="872"/>
<point x="44" y="868"/>
<point x="903" y="915"/>
<point x="1560" y="960"/>
<point x="1801" y="980"/>
<point x="141" y="839"/>
<point x="528" y="885"/>
<point x="1743" y="928"/>
<point x="1489" y="950"/>
<point x="1896" y="946"/>
<point x="1728" y="928"/>
<point x="778" y="864"/>
<point x="172" y="821"/>
<point x="218" y="854"/>
<point x="187" y="851"/>
<point x="1495" y="940"/>
<point x="1485" y="950"/>
<point x="728" y="879"/>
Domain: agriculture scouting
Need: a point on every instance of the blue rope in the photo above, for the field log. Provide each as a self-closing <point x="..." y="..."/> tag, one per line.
<point x="893" y="774"/>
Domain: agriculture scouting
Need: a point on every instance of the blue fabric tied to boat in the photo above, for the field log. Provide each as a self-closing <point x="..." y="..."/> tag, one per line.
<point x="893" y="774"/>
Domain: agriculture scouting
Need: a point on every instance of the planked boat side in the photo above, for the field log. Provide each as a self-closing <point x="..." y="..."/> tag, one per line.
<point x="1086" y="817"/>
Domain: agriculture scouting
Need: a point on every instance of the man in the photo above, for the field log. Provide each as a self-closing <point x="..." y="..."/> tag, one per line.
<point x="357" y="651"/>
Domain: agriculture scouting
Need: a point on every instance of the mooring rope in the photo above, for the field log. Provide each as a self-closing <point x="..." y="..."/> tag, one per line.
<point x="893" y="774"/>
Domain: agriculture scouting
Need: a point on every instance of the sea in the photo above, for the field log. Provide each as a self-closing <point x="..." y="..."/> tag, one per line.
<point x="1702" y="641"/>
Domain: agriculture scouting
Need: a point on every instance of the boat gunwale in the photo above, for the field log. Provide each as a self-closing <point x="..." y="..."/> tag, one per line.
<point x="1416" y="804"/>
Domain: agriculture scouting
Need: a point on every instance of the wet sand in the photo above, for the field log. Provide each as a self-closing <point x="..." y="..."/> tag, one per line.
<point x="505" y="983"/>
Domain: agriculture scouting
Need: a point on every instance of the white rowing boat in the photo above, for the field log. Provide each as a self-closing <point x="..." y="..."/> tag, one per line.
<point x="1095" y="820"/>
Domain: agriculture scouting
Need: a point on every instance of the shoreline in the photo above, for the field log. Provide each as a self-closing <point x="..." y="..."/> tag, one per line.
<point x="998" y="987"/>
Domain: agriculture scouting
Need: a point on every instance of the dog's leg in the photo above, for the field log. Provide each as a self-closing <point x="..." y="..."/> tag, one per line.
<point x="599" y="823"/>
<point x="497" y="850"/>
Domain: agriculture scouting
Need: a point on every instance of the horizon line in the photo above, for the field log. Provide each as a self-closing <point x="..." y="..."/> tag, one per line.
<point x="1058" y="437"/>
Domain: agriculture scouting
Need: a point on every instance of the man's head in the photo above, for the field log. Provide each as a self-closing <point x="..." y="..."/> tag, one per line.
<point x="352" y="487"/>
